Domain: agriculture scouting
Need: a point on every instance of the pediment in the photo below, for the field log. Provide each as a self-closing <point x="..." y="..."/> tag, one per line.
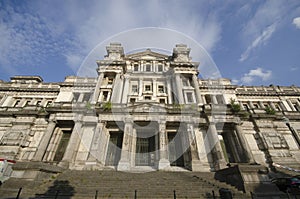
<point x="147" y="55"/>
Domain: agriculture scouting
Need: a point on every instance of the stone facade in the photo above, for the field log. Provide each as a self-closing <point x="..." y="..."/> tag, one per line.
<point x="148" y="111"/>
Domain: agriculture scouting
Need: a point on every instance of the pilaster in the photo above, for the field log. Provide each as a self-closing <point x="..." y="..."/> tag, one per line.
<point x="197" y="90"/>
<point x="244" y="143"/>
<point x="72" y="145"/>
<point x="125" y="90"/>
<point x="45" y="141"/>
<point x="124" y="163"/>
<point x="216" y="146"/>
<point x="163" y="156"/>
<point x="179" y="89"/>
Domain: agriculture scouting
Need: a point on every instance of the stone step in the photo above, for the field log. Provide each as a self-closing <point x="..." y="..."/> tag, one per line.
<point x="112" y="184"/>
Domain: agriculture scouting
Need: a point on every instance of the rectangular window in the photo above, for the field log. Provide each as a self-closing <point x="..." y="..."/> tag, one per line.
<point x="277" y="107"/>
<point x="105" y="96"/>
<point x="208" y="99"/>
<point x="17" y="103"/>
<point x="246" y="106"/>
<point x="162" y="101"/>
<point x="160" y="68"/>
<point x="147" y="98"/>
<point x="27" y="102"/>
<point x="161" y="89"/>
<point x="148" y="67"/>
<point x="132" y="100"/>
<point x="147" y="87"/>
<point x="296" y="107"/>
<point x="75" y="97"/>
<point x="49" y="103"/>
<point x="86" y="97"/>
<point x="38" y="103"/>
<point x="136" y="67"/>
<point x="134" y="88"/>
<point x="110" y="81"/>
<point x="189" y="97"/>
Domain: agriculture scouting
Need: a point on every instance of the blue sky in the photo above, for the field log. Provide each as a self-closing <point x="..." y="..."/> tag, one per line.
<point x="251" y="42"/>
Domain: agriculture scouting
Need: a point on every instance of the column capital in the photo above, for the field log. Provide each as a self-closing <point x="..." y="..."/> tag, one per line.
<point x="128" y="120"/>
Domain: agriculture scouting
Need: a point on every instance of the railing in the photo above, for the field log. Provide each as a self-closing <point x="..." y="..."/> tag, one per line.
<point x="223" y="194"/>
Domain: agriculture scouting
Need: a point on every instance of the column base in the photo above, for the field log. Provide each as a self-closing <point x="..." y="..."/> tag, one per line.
<point x="163" y="164"/>
<point x="64" y="164"/>
<point x="123" y="166"/>
<point x="197" y="165"/>
<point x="222" y="165"/>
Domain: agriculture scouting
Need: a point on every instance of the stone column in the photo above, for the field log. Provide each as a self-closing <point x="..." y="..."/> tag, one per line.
<point x="202" y="146"/>
<point x="133" y="147"/>
<point x="214" y="99"/>
<point x="291" y="105"/>
<point x="80" y="99"/>
<point x="124" y="163"/>
<point x="195" y="161"/>
<point x="169" y="90"/>
<point x="154" y="88"/>
<point x="261" y="105"/>
<point x="97" y="88"/>
<point x="140" y="87"/>
<point x="179" y="89"/>
<point x="216" y="145"/>
<point x="116" y="89"/>
<point x="125" y="90"/>
<point x="72" y="145"/>
<point x="197" y="90"/>
<point x="244" y="143"/>
<point x="272" y="105"/>
<point x="94" y="149"/>
<point x="251" y="105"/>
<point x="45" y="141"/>
<point x="163" y="147"/>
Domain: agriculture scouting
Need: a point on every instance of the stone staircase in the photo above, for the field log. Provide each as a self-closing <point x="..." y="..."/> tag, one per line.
<point x="113" y="184"/>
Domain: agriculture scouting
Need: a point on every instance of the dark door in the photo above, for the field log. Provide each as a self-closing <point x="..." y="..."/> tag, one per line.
<point x="61" y="149"/>
<point x="175" y="150"/>
<point x="145" y="148"/>
<point x="114" y="149"/>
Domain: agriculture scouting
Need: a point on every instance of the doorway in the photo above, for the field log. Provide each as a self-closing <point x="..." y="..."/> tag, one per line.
<point x="114" y="148"/>
<point x="176" y="157"/>
<point x="145" y="151"/>
<point x="62" y="146"/>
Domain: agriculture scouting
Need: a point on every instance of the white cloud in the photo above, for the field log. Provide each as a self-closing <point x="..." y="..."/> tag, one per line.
<point x="260" y="40"/>
<point x="90" y="26"/>
<point x="296" y="22"/>
<point x="294" y="68"/>
<point x="267" y="18"/>
<point x="26" y="39"/>
<point x="256" y="75"/>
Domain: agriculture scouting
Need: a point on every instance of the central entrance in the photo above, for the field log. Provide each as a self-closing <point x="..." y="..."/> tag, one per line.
<point x="145" y="151"/>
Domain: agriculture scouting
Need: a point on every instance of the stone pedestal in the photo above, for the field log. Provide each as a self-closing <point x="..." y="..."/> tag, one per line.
<point x="124" y="165"/>
<point x="163" y="164"/>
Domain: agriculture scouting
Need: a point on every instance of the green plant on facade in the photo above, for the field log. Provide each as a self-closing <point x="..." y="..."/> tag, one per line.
<point x="194" y="106"/>
<point x="107" y="106"/>
<point x="88" y="105"/>
<point x="270" y="111"/>
<point x="235" y="106"/>
<point x="178" y="106"/>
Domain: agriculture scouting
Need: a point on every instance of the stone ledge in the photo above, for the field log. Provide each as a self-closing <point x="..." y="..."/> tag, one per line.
<point x="37" y="166"/>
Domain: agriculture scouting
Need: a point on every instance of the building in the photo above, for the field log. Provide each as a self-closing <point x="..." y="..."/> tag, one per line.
<point x="147" y="111"/>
